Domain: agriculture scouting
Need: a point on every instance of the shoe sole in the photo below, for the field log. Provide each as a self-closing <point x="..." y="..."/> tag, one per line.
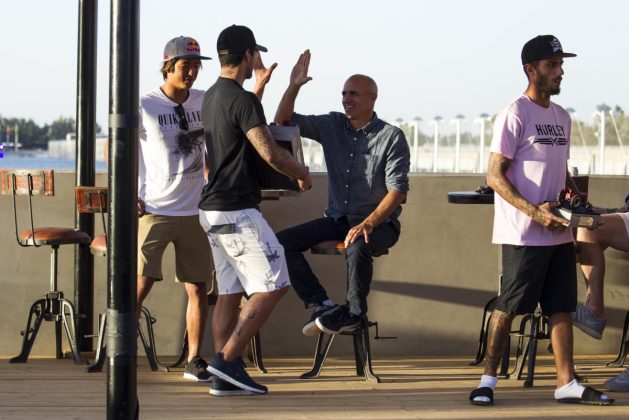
<point x="592" y="333"/>
<point x="311" y="329"/>
<point x="234" y="382"/>
<point x="341" y="330"/>
<point x="190" y="376"/>
<point x="233" y="393"/>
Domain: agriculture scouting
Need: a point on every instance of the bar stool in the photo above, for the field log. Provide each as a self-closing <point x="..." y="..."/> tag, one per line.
<point x="362" y="350"/>
<point x="94" y="200"/>
<point x="53" y="307"/>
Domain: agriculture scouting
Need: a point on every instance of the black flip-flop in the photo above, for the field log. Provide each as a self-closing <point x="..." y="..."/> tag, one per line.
<point x="482" y="392"/>
<point x="590" y="396"/>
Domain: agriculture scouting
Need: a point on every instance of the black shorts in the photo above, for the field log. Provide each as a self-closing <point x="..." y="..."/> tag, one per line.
<point x="532" y="274"/>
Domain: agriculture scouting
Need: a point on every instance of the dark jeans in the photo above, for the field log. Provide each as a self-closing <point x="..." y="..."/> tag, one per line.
<point x="299" y="239"/>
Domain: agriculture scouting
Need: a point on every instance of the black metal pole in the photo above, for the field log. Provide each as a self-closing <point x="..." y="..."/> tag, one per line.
<point x="123" y="179"/>
<point x="85" y="167"/>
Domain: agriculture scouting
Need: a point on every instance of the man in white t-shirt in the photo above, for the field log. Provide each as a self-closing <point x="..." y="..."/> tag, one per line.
<point x="527" y="170"/>
<point x="171" y="172"/>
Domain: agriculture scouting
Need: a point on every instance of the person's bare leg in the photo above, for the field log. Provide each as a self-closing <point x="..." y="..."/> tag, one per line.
<point x="225" y="318"/>
<point x="592" y="244"/>
<point x="561" y="337"/>
<point x="196" y="316"/>
<point x="497" y="332"/>
<point x="252" y="317"/>
<point x="145" y="284"/>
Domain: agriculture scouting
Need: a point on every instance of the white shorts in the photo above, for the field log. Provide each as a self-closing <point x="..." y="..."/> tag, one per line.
<point x="247" y="255"/>
<point x="625" y="218"/>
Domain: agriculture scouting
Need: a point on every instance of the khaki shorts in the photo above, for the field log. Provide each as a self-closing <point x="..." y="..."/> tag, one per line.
<point x="192" y="251"/>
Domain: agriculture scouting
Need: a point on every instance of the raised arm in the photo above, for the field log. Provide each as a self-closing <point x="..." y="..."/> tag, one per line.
<point x="298" y="78"/>
<point x="263" y="76"/>
<point x="279" y="159"/>
<point x="497" y="179"/>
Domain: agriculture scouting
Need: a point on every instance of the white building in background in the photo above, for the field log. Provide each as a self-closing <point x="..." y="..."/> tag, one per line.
<point x="66" y="148"/>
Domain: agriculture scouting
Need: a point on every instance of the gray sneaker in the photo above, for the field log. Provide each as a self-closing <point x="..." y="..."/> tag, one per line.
<point x="620" y="383"/>
<point x="585" y="320"/>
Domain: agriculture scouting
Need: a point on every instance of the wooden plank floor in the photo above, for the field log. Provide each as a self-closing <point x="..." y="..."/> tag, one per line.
<point x="426" y="388"/>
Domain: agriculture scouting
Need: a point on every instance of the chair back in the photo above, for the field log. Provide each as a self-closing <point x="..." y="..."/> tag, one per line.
<point x="582" y="182"/>
<point x="28" y="182"/>
<point x="93" y="200"/>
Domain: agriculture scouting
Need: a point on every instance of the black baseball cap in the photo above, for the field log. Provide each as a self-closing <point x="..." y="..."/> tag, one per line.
<point x="237" y="39"/>
<point x="542" y="46"/>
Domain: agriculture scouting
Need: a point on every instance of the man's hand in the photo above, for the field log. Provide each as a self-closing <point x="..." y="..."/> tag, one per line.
<point x="362" y="229"/>
<point x="299" y="74"/>
<point x="545" y="217"/>
<point x="263" y="74"/>
<point x="141" y="208"/>
<point x="306" y="183"/>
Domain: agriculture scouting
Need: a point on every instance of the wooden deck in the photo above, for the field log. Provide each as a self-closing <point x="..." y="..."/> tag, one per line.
<point x="426" y="388"/>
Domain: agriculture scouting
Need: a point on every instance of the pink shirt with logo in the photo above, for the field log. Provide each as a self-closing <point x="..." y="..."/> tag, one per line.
<point x="537" y="140"/>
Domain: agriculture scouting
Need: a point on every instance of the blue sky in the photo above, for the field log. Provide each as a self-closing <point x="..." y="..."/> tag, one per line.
<point x="429" y="58"/>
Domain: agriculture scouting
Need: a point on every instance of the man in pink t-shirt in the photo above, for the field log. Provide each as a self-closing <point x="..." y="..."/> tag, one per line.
<point x="527" y="170"/>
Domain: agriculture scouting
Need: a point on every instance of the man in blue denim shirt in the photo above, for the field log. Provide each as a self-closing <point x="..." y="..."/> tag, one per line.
<point x="368" y="162"/>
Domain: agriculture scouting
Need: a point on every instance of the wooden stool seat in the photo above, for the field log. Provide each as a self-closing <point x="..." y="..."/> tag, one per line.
<point x="329" y="248"/>
<point x="98" y="246"/>
<point x="335" y="247"/>
<point x="53" y="236"/>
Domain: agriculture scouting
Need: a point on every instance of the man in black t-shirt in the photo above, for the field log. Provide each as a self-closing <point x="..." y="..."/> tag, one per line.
<point x="247" y="256"/>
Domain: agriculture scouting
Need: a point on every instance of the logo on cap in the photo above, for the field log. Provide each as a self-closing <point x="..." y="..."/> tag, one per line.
<point x="193" y="46"/>
<point x="556" y="45"/>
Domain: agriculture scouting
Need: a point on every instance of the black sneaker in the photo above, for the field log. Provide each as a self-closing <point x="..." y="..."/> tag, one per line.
<point x="197" y="370"/>
<point x="235" y="374"/>
<point x="222" y="388"/>
<point x="337" y="321"/>
<point x="311" y="328"/>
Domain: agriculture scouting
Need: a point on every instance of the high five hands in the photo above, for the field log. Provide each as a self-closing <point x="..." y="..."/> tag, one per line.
<point x="299" y="74"/>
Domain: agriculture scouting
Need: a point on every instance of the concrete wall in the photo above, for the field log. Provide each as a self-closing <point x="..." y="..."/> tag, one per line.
<point x="429" y="291"/>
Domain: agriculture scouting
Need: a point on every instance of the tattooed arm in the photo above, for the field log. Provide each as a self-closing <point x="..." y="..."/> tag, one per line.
<point x="497" y="179"/>
<point x="279" y="159"/>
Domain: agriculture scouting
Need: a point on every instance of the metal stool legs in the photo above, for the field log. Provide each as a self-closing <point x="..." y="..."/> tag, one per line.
<point x="624" y="346"/>
<point x="362" y="351"/>
<point x="52" y="307"/>
<point x="148" y="341"/>
<point x="527" y="346"/>
<point x="482" y="339"/>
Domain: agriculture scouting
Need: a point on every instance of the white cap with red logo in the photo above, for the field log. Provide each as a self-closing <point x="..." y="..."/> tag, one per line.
<point x="183" y="47"/>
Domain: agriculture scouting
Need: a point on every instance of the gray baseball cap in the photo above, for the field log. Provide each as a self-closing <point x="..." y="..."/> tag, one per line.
<point x="183" y="47"/>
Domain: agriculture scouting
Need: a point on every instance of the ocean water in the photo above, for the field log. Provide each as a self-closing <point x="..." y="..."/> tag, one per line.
<point x="11" y="161"/>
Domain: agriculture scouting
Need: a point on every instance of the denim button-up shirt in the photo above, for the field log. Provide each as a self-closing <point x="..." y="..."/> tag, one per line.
<point x="363" y="165"/>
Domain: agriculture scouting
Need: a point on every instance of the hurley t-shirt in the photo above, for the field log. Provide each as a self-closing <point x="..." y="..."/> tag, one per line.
<point x="171" y="160"/>
<point x="228" y="113"/>
<point x="537" y="140"/>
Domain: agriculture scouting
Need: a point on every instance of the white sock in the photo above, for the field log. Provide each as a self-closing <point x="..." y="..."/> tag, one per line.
<point x="486" y="381"/>
<point x="327" y="302"/>
<point x="572" y="389"/>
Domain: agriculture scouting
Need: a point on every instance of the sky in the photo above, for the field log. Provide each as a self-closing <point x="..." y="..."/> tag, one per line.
<point x="429" y="58"/>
